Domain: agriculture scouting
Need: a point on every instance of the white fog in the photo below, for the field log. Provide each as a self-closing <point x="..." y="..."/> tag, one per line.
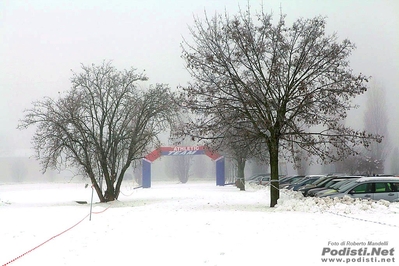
<point x="42" y="41"/>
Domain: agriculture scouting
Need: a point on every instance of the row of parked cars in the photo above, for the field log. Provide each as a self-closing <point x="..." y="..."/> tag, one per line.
<point x="339" y="185"/>
<point x="363" y="187"/>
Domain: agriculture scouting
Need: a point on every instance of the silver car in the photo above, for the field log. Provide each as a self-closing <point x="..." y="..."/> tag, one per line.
<point x="261" y="180"/>
<point x="372" y="188"/>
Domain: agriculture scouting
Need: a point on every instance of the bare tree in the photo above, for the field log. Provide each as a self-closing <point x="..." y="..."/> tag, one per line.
<point x="376" y="122"/>
<point x="101" y="125"/>
<point x="355" y="164"/>
<point x="258" y="167"/>
<point x="235" y="143"/>
<point x="287" y="87"/>
<point x="201" y="167"/>
<point x="370" y="160"/>
<point x="242" y="150"/>
<point x="301" y="164"/>
<point x="238" y="155"/>
<point x="395" y="161"/>
<point x="138" y="172"/>
<point x="181" y="165"/>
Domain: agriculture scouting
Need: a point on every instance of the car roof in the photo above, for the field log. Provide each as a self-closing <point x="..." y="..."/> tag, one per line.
<point x="377" y="178"/>
<point x="345" y="179"/>
<point x="347" y="176"/>
<point x="339" y="179"/>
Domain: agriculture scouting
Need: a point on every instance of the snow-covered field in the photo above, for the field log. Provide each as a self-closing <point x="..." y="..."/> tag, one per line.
<point x="197" y="223"/>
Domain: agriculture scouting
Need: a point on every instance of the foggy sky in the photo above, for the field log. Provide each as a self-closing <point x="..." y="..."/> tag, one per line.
<point x="42" y="41"/>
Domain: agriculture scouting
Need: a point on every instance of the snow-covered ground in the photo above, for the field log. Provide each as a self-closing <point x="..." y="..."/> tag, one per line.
<point x="197" y="223"/>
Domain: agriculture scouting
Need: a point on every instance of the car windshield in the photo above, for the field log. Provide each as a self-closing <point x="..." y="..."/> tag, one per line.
<point x="288" y="178"/>
<point x="295" y="179"/>
<point x="341" y="183"/>
<point x="320" y="180"/>
<point x="346" y="186"/>
<point x="299" y="180"/>
<point x="309" y="181"/>
<point x="285" y="179"/>
<point x="330" y="183"/>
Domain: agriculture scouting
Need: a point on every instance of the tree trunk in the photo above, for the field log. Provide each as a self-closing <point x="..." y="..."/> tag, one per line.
<point x="240" y="182"/>
<point x="120" y="179"/>
<point x="110" y="193"/>
<point x="96" y="187"/>
<point x="94" y="182"/>
<point x="274" y="180"/>
<point x="118" y="185"/>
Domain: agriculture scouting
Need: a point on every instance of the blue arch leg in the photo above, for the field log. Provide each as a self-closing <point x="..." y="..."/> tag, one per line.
<point x="220" y="179"/>
<point x="146" y="174"/>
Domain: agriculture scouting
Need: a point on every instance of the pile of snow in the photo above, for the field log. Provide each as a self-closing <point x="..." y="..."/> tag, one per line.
<point x="294" y="201"/>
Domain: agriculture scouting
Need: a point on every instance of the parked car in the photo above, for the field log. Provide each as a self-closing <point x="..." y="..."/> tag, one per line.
<point x="334" y="188"/>
<point x="257" y="176"/>
<point x="330" y="185"/>
<point x="321" y="183"/>
<point x="285" y="181"/>
<point x="262" y="180"/>
<point x="308" y="179"/>
<point x="317" y="183"/>
<point x="371" y="188"/>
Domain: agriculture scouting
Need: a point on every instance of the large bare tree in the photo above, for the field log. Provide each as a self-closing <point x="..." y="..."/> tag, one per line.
<point x="394" y="168"/>
<point x="180" y="165"/>
<point x="240" y="149"/>
<point x="102" y="124"/>
<point x="376" y="121"/>
<point x="370" y="160"/>
<point x="288" y="86"/>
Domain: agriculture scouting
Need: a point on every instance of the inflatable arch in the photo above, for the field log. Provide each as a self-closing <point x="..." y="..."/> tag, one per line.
<point x="180" y="151"/>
